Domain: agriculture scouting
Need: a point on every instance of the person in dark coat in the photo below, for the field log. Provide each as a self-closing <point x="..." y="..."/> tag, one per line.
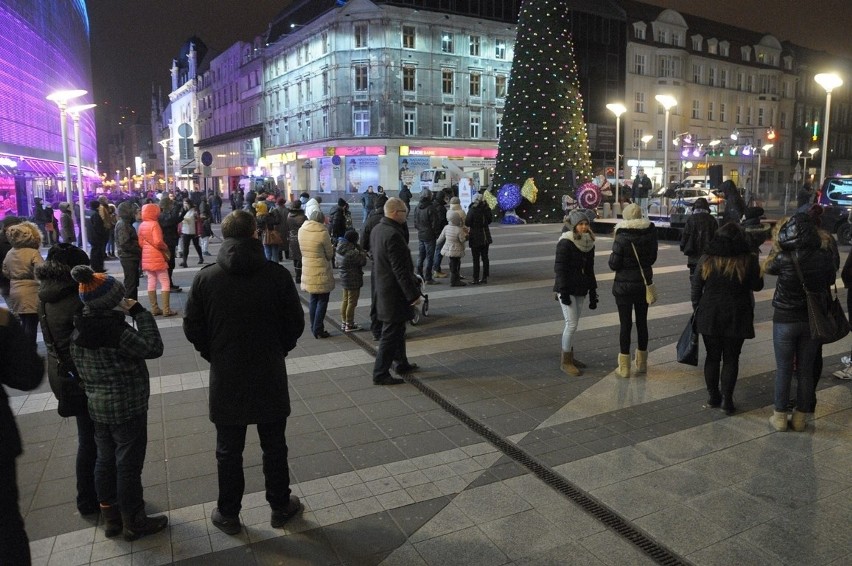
<point x="395" y="290"/>
<point x="734" y="203"/>
<point x="66" y="224"/>
<point x="98" y="237"/>
<point x="375" y="216"/>
<point x="351" y="259"/>
<point x="170" y="214"/>
<point x="405" y="196"/>
<point x="20" y="368"/>
<point x="439" y="211"/>
<point x="725" y="279"/>
<point x="295" y="219"/>
<point x="699" y="230"/>
<point x="368" y="202"/>
<point x="756" y="232"/>
<point x="796" y="240"/>
<point x="424" y="223"/>
<point x="245" y="387"/>
<point x="479" y="237"/>
<point x="639" y="234"/>
<point x="805" y="196"/>
<point x="575" y="278"/>
<point x="127" y="247"/>
<point x="5" y="247"/>
<point x="59" y="303"/>
<point x="641" y="189"/>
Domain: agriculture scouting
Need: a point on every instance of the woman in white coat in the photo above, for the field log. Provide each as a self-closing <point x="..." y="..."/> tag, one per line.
<point x="317" y="273"/>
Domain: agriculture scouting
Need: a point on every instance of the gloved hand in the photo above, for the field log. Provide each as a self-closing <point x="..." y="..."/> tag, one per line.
<point x="593" y="299"/>
<point x="565" y="298"/>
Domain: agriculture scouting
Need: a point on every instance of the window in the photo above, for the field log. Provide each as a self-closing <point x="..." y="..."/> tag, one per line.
<point x="360" y="36"/>
<point x="739" y="115"/>
<point x="662" y="36"/>
<point x="640" y="102"/>
<point x="476" y="84"/>
<point x="748" y="116"/>
<point x="740" y="81"/>
<point x="639" y="64"/>
<point x="448" y="125"/>
<point x="286" y="98"/>
<point x="447" y="82"/>
<point x="361" y="121"/>
<point x="639" y="30"/>
<point x="696" y="43"/>
<point x="409" y="37"/>
<point x="723" y="78"/>
<point x="409" y="79"/>
<point x="500" y="86"/>
<point x="710" y="111"/>
<point x="286" y="132"/>
<point x="325" y="122"/>
<point x="361" y="81"/>
<point x="498" y="125"/>
<point x="750" y="83"/>
<point x="409" y="122"/>
<point x="308" y="91"/>
<point x="723" y="115"/>
<point x="746" y="53"/>
<point x="475" y="126"/>
<point x="668" y="66"/>
<point x="760" y="115"/>
<point x="712" y="46"/>
<point x="475" y="42"/>
<point x="308" y="129"/>
<point x="660" y="139"/>
<point x="711" y="76"/>
<point x="499" y="48"/>
<point x="696" y="109"/>
<point x="446" y="42"/>
<point x="782" y="120"/>
<point x="324" y="40"/>
<point x="326" y="88"/>
<point x="697" y="72"/>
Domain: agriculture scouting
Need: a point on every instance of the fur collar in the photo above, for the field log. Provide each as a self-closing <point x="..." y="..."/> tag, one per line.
<point x="638" y="224"/>
<point x="584" y="242"/>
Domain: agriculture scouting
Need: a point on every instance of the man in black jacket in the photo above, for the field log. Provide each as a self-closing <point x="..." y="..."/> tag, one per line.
<point x="20" y="368"/>
<point x="169" y="219"/>
<point x="98" y="236"/>
<point x="246" y="388"/>
<point x="424" y="223"/>
<point x="395" y="291"/>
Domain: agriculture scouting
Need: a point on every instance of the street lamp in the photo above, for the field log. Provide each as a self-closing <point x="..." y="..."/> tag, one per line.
<point x="765" y="149"/>
<point x="644" y="139"/>
<point x="618" y="109"/>
<point x="828" y="81"/>
<point x="165" y="144"/>
<point x="61" y="98"/>
<point x="75" y="117"/>
<point x="711" y="144"/>
<point x="812" y="151"/>
<point x="668" y="102"/>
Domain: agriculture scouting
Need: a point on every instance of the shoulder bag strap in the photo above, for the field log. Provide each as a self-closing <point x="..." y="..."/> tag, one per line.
<point x="641" y="270"/>
<point x="799" y="270"/>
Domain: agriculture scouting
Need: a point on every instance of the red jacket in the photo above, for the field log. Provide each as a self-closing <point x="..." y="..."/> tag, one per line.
<point x="154" y="247"/>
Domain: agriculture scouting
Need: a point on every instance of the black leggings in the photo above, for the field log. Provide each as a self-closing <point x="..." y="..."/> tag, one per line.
<point x="625" y="318"/>
<point x="185" y="240"/>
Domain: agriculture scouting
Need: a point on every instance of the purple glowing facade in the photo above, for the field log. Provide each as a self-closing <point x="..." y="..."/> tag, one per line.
<point x="44" y="48"/>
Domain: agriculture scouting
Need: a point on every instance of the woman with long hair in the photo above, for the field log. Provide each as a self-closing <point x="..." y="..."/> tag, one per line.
<point x="189" y="232"/>
<point x="800" y="258"/>
<point x="725" y="278"/>
<point x="634" y="251"/>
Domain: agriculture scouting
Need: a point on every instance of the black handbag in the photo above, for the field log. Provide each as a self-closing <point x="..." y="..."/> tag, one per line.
<point x="827" y="321"/>
<point x="687" y="344"/>
<point x="72" y="397"/>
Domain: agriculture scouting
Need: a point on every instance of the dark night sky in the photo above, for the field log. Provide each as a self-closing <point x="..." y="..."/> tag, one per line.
<point x="134" y="41"/>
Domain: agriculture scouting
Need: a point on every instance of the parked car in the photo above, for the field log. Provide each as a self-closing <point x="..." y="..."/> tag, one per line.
<point x="685" y="197"/>
<point x="835" y="197"/>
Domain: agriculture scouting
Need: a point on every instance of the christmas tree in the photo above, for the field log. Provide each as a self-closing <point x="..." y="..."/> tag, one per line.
<point x="544" y="134"/>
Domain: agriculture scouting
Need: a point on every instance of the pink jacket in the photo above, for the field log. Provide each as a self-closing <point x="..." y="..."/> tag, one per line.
<point x="154" y="247"/>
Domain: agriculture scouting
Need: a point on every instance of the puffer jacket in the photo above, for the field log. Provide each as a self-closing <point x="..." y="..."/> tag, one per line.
<point x="187" y="227"/>
<point x="628" y="286"/>
<point x="66" y="224"/>
<point x="351" y="260"/>
<point x="424" y="220"/>
<point x="169" y="218"/>
<point x="453" y="236"/>
<point x="151" y="240"/>
<point x="478" y="219"/>
<point x="126" y="239"/>
<point x="574" y="265"/>
<point x="59" y="303"/>
<point x="317" y="252"/>
<point x="19" y="267"/>
<point x="699" y="230"/>
<point x="295" y="219"/>
<point x="799" y="237"/>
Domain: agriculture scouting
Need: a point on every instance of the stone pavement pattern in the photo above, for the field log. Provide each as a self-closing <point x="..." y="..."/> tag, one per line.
<point x="389" y="476"/>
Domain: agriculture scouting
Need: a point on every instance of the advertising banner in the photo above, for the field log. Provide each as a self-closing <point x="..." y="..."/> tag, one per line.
<point x="361" y="172"/>
<point x="409" y="171"/>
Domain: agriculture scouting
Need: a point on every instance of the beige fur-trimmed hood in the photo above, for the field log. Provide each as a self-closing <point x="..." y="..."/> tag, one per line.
<point x="24" y="235"/>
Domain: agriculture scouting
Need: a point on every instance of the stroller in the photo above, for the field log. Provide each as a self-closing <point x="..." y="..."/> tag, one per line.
<point x="421" y="311"/>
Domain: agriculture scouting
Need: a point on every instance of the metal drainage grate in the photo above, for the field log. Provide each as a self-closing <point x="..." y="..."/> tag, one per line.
<point x="654" y="549"/>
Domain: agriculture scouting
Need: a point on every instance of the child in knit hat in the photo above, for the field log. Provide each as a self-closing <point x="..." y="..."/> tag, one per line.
<point x="351" y="259"/>
<point x="110" y="357"/>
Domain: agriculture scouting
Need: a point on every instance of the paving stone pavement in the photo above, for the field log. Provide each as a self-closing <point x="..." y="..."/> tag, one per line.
<point x="465" y="465"/>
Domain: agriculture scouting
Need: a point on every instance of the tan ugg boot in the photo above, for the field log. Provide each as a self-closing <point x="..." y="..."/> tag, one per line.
<point x="799" y="421"/>
<point x="641" y="361"/>
<point x="567" y="364"/>
<point x="167" y="311"/>
<point x="577" y="362"/>
<point x="152" y="299"/>
<point x="778" y="420"/>
<point x="623" y="369"/>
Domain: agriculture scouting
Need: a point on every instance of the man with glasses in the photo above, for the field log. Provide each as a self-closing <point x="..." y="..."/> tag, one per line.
<point x="395" y="291"/>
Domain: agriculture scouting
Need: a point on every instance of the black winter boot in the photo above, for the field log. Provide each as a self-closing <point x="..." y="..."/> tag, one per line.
<point x="138" y="524"/>
<point x="112" y="520"/>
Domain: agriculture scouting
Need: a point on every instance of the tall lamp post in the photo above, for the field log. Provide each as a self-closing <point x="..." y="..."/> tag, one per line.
<point x="75" y="116"/>
<point x="165" y="144"/>
<point x="61" y="98"/>
<point x="713" y="143"/>
<point x="828" y="81"/>
<point x="812" y="151"/>
<point x="618" y="109"/>
<point x="668" y="102"/>
<point x="644" y="139"/>
<point x="765" y="149"/>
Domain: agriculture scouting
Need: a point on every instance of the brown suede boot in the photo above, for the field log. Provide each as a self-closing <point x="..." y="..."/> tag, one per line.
<point x="167" y="311"/>
<point x="152" y="299"/>
<point x="567" y="364"/>
<point x="577" y="362"/>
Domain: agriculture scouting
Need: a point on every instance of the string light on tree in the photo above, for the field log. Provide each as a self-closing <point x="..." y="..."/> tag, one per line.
<point x="544" y="134"/>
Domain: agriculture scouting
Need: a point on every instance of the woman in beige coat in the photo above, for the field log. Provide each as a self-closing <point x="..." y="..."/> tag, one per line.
<point x="19" y="267"/>
<point x="317" y="273"/>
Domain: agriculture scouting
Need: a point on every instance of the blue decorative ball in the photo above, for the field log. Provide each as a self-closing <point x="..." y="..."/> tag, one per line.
<point x="509" y="196"/>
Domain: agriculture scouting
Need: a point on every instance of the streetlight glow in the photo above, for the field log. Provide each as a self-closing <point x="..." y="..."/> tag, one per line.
<point x="61" y="98"/>
<point x="668" y="102"/>
<point x="75" y="117"/>
<point x="828" y="81"/>
<point x="618" y="109"/>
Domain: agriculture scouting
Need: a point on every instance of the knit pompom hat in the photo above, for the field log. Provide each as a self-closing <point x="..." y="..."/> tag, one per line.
<point x="98" y="291"/>
<point x="575" y="217"/>
<point x="631" y="212"/>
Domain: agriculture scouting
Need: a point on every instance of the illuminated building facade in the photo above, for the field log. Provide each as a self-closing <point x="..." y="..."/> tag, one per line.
<point x="44" y="47"/>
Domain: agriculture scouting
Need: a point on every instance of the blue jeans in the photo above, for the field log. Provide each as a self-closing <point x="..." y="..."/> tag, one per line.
<point x="792" y="340"/>
<point x="118" y="470"/>
<point x="230" y="442"/>
<point x="271" y="252"/>
<point x="571" y="314"/>
<point x="317" y="307"/>
<point x="425" y="259"/>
